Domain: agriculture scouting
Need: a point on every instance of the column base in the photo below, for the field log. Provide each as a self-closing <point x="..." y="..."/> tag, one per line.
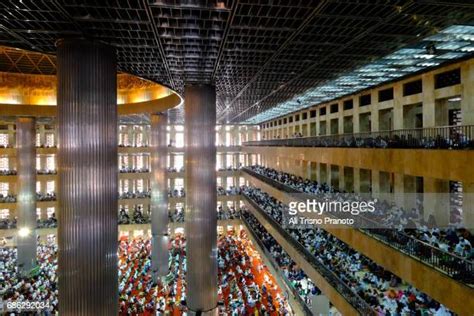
<point x="212" y="312"/>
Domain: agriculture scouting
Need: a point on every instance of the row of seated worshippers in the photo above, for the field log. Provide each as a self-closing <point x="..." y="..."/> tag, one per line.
<point x="139" y="293"/>
<point x="45" y="196"/>
<point x="125" y="169"/>
<point x="176" y="193"/>
<point x="135" y="195"/>
<point x="38" y="286"/>
<point x="134" y="145"/>
<point x="245" y="285"/>
<point x="378" y="287"/>
<point x="455" y="140"/>
<point x="137" y="216"/>
<point x="172" y="169"/>
<point x="40" y="196"/>
<point x="232" y="190"/>
<point x="46" y="171"/>
<point x="457" y="240"/>
<point x="302" y="285"/>
<point x="7" y="198"/>
<point x="177" y="215"/>
<point x="7" y="172"/>
<point x="50" y="222"/>
<point x="243" y="279"/>
<point x="227" y="213"/>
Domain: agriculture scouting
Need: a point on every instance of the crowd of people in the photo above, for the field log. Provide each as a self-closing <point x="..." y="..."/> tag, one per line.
<point x="135" y="195"/>
<point x="456" y="240"/>
<point x="455" y="140"/>
<point x="176" y="193"/>
<point x="245" y="285"/>
<point x="171" y="169"/>
<point x="227" y="213"/>
<point x="232" y="190"/>
<point x="41" y="283"/>
<point x="7" y="172"/>
<point x="7" y="198"/>
<point x="379" y="288"/>
<point x="45" y="196"/>
<point x="136" y="216"/>
<point x="46" y="171"/>
<point x="301" y="284"/>
<point x="133" y="170"/>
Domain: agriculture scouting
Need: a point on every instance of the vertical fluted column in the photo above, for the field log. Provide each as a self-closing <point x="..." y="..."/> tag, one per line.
<point x="201" y="199"/>
<point x="159" y="196"/>
<point x="87" y="176"/>
<point x="26" y="206"/>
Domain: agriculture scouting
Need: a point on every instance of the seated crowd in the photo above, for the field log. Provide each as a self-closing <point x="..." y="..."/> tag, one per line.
<point x="300" y="282"/>
<point x="377" y="287"/>
<point x="135" y="195"/>
<point x="227" y="213"/>
<point x="125" y="169"/>
<point x="46" y="171"/>
<point x="245" y="285"/>
<point x="453" y="239"/>
<point x="8" y="198"/>
<point x="455" y="140"/>
<point x="5" y="172"/>
<point x="232" y="190"/>
<point x="170" y="169"/>
<point x="39" y="286"/>
<point x="48" y="196"/>
<point x="137" y="216"/>
<point x="176" y="192"/>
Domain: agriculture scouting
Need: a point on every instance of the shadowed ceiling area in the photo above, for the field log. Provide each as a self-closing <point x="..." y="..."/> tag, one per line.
<point x="259" y="53"/>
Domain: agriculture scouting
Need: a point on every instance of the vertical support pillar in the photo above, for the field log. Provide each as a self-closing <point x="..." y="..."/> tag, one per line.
<point x="398" y="107"/>
<point x="429" y="103"/>
<point x="159" y="196"/>
<point x="375" y="183"/>
<point x="436" y="201"/>
<point x="201" y="198"/>
<point x="26" y="194"/>
<point x="467" y="101"/>
<point x="87" y="178"/>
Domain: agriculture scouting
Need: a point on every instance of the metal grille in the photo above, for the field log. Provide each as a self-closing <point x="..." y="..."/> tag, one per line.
<point x="259" y="53"/>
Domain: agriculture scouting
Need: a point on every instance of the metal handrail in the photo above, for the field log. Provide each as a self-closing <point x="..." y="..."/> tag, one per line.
<point x="442" y="137"/>
<point x="340" y="286"/>
<point x="458" y="268"/>
<point x="277" y="268"/>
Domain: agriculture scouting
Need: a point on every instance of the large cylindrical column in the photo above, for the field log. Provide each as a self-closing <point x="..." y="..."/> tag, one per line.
<point x="201" y="198"/>
<point x="87" y="178"/>
<point x="159" y="196"/>
<point x="26" y="206"/>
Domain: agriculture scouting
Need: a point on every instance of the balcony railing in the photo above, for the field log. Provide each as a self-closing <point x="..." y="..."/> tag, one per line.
<point x="306" y="310"/>
<point x="458" y="268"/>
<point x="340" y="286"/>
<point x="446" y="137"/>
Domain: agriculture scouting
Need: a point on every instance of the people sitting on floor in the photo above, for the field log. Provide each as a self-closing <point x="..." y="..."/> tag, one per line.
<point x="409" y="222"/>
<point x="363" y="276"/>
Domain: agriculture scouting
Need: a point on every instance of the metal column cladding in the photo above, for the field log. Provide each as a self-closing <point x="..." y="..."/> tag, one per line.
<point x="159" y="196"/>
<point x="26" y="212"/>
<point x="87" y="178"/>
<point x="201" y="197"/>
